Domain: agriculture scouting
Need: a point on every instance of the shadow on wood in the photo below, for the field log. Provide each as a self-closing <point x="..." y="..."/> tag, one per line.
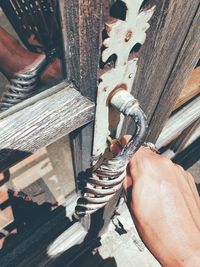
<point x="38" y="230"/>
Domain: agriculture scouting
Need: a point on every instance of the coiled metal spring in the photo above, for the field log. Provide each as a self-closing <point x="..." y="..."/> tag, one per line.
<point x="21" y="87"/>
<point x="25" y="84"/>
<point x="107" y="179"/>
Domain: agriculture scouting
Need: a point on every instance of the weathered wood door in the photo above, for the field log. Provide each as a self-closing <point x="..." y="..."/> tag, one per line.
<point x="166" y="56"/>
<point x="165" y="60"/>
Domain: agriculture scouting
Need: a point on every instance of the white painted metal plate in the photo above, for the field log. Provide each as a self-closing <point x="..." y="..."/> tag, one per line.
<point x="122" y="36"/>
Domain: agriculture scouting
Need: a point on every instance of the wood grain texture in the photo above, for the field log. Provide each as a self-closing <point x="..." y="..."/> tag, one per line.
<point x="31" y="101"/>
<point x="191" y="88"/>
<point x="186" y="60"/>
<point x="166" y="59"/>
<point x="82" y="23"/>
<point x="42" y="123"/>
<point x="179" y="122"/>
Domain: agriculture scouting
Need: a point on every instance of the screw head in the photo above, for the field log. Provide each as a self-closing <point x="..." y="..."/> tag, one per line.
<point x="128" y="35"/>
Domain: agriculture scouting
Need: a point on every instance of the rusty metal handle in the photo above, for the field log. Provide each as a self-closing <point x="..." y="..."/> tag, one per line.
<point x="108" y="178"/>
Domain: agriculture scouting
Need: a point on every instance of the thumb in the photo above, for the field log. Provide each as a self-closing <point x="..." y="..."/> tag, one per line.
<point x="117" y="146"/>
<point x="116" y="149"/>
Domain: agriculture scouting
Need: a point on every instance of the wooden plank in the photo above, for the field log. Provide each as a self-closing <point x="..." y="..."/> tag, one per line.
<point x="82" y="25"/>
<point x="191" y="89"/>
<point x="42" y="123"/>
<point x="82" y="22"/>
<point x="166" y="59"/>
<point x="27" y="163"/>
<point x="186" y="60"/>
<point x="178" y="122"/>
<point x="31" y="101"/>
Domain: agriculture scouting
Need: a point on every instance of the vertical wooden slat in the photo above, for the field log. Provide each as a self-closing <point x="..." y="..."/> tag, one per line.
<point x="187" y="58"/>
<point x="168" y="55"/>
<point x="82" y="23"/>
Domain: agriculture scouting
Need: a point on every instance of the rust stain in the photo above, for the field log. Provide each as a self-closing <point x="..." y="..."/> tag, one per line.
<point x="120" y="87"/>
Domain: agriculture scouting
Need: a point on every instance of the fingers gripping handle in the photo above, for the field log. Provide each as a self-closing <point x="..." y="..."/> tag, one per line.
<point x="108" y="178"/>
<point x="129" y="106"/>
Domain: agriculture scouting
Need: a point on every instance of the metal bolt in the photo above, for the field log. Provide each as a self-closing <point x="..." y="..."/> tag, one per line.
<point x="128" y="35"/>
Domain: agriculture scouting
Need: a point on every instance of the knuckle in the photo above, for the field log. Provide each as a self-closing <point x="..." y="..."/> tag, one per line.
<point x="189" y="176"/>
<point x="179" y="168"/>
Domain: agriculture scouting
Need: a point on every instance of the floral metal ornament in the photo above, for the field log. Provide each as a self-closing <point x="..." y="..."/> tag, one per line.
<point x="123" y="35"/>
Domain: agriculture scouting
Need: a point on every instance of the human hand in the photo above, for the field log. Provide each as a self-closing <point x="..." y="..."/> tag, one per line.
<point x="165" y="207"/>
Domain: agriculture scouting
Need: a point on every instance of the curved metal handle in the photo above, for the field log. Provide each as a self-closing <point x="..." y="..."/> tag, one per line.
<point x="108" y="178"/>
<point x="129" y="106"/>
